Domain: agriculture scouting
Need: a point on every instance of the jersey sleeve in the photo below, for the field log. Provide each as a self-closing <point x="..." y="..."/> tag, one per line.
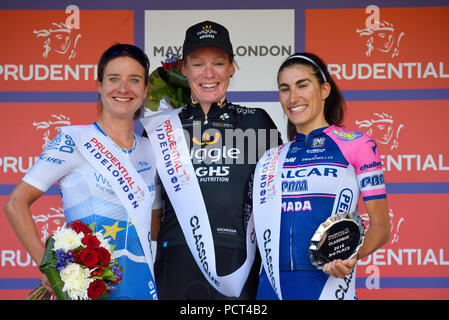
<point x="57" y="160"/>
<point x="368" y="168"/>
<point x="363" y="155"/>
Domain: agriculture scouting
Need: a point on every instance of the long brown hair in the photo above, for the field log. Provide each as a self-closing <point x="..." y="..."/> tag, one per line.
<point x="334" y="106"/>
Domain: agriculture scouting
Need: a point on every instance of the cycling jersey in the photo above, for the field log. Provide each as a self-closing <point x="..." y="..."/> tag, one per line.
<point x="224" y="147"/>
<point x="87" y="195"/>
<point x="324" y="173"/>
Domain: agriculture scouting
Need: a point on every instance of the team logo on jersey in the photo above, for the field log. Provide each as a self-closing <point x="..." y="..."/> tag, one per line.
<point x="318" y="142"/>
<point x="50" y="158"/>
<point x="344" y="202"/>
<point x="382" y="128"/>
<point x="347" y="136"/>
<point x="373" y="146"/>
<point x="373" y="180"/>
<point x="374" y="164"/>
<point x="207" y="139"/>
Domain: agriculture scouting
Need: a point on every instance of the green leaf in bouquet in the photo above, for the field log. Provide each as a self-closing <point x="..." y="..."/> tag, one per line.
<point x="108" y="274"/>
<point x="159" y="83"/>
<point x="166" y="92"/>
<point x="47" y="268"/>
<point x="179" y="95"/>
<point x="167" y="83"/>
<point x="177" y="79"/>
<point x="159" y="94"/>
<point x="152" y="104"/>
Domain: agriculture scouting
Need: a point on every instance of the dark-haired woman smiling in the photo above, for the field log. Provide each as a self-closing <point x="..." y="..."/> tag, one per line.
<point x="89" y="191"/>
<point x="321" y="164"/>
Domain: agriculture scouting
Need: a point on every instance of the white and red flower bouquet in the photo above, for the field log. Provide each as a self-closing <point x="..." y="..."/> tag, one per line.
<point x="78" y="264"/>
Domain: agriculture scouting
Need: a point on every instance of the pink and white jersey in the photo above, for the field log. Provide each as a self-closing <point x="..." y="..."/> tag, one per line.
<point x="324" y="174"/>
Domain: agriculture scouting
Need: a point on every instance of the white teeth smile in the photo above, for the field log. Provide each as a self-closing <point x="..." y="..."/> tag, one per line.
<point x="122" y="99"/>
<point x="209" y="85"/>
<point x="298" y="108"/>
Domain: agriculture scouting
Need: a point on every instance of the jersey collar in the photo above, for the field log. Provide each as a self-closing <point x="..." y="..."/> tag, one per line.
<point x="123" y="150"/>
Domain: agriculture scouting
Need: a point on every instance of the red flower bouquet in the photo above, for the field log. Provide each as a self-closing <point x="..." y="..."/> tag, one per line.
<point x="78" y="264"/>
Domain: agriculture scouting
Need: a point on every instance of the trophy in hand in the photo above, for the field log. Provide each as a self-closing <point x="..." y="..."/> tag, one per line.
<point x="339" y="237"/>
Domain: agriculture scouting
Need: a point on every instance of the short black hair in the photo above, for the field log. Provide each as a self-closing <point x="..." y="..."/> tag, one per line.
<point x="123" y="50"/>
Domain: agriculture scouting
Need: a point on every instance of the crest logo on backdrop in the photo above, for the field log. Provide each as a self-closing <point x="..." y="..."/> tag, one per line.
<point x="382" y="39"/>
<point x="382" y="128"/>
<point x="60" y="39"/>
<point x="53" y="50"/>
<point x="387" y="50"/>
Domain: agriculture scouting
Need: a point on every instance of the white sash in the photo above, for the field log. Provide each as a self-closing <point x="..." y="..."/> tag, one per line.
<point x="177" y="174"/>
<point x="267" y="200"/>
<point x="126" y="182"/>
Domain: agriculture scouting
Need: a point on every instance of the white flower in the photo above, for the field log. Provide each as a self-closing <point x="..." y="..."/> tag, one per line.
<point x="67" y="239"/>
<point x="103" y="242"/>
<point x="76" y="281"/>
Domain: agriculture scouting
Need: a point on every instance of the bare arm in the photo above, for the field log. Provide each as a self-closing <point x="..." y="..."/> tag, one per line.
<point x="376" y="236"/>
<point x="379" y="228"/>
<point x="17" y="210"/>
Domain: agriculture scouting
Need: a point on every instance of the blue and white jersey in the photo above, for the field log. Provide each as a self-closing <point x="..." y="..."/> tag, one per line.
<point x="323" y="174"/>
<point x="88" y="196"/>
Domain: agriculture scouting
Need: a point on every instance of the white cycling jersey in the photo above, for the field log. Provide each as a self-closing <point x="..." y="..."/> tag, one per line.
<point x="88" y="196"/>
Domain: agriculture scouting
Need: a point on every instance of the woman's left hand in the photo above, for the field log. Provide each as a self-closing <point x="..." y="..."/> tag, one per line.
<point x="340" y="268"/>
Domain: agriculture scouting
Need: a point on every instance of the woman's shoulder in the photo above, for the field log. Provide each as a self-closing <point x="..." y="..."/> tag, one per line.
<point x="257" y="116"/>
<point x="344" y="135"/>
<point x="358" y="147"/>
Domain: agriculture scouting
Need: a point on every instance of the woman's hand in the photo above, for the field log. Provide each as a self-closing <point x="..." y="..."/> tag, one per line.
<point x="376" y="236"/>
<point x="47" y="285"/>
<point x="340" y="268"/>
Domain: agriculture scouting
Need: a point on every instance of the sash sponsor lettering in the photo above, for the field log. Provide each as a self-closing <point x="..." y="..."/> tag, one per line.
<point x="126" y="182"/>
<point x="267" y="200"/>
<point x="177" y="174"/>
